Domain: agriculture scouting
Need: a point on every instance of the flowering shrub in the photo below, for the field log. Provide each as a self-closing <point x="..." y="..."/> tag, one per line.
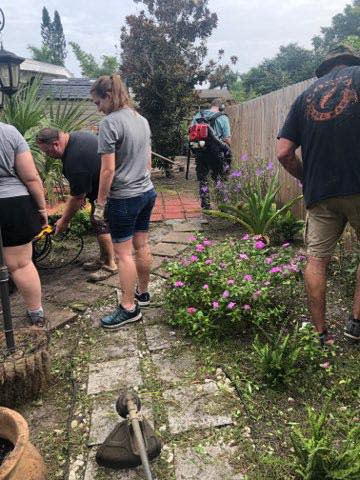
<point x="229" y="284"/>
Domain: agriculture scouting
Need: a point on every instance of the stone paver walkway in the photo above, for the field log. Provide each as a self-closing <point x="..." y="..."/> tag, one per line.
<point x="181" y="403"/>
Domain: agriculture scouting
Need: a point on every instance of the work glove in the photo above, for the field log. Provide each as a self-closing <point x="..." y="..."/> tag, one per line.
<point x="99" y="211"/>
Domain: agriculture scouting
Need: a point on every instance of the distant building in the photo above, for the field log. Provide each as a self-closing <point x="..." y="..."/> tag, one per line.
<point x="32" y="68"/>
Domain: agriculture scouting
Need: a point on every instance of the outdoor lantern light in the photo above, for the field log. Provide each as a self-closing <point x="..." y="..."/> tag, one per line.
<point x="9" y="71"/>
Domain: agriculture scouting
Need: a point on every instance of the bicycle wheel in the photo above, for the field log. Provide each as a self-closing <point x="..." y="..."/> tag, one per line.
<point x="64" y="249"/>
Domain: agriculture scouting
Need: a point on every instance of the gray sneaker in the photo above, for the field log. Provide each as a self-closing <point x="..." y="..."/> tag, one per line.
<point x="352" y="329"/>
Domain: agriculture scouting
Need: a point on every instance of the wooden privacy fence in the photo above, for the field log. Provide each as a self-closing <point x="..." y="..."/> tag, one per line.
<point x="254" y="128"/>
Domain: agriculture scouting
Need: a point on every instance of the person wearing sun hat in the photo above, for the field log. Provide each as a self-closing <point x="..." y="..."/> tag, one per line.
<point x="325" y="121"/>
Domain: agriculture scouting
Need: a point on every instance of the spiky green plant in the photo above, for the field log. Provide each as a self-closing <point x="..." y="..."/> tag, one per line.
<point x="258" y="212"/>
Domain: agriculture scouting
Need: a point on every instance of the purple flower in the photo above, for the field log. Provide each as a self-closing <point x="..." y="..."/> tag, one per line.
<point x="269" y="166"/>
<point x="205" y="286"/>
<point x="275" y="270"/>
<point x="179" y="283"/>
<point x="268" y="260"/>
<point x="231" y="305"/>
<point x="222" y="265"/>
<point x="258" y="172"/>
<point x="199" y="247"/>
<point x="194" y="258"/>
<point x="207" y="242"/>
<point x="246" y="307"/>
<point x="245" y="157"/>
<point x="260" y="245"/>
<point x="191" y="310"/>
<point x="205" y="189"/>
<point x="285" y="245"/>
<point x="209" y="261"/>
<point x="245" y="237"/>
<point x="226" y="294"/>
<point x="248" y="278"/>
<point x="215" y="305"/>
<point x="231" y="281"/>
<point x="243" y="256"/>
<point x="236" y="173"/>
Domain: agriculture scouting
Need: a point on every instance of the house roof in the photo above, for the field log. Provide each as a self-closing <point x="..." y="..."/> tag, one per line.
<point x="211" y="93"/>
<point x="69" y="88"/>
<point x="44" y="68"/>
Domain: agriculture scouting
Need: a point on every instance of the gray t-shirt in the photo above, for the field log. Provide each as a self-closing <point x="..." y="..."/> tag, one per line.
<point x="127" y="134"/>
<point x="11" y="144"/>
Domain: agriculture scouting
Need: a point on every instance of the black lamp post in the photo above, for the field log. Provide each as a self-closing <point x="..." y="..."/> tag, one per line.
<point x="9" y="84"/>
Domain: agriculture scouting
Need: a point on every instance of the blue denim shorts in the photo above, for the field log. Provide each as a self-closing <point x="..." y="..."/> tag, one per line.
<point x="129" y="215"/>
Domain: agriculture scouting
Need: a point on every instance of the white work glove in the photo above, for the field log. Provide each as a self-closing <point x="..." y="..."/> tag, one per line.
<point x="99" y="212"/>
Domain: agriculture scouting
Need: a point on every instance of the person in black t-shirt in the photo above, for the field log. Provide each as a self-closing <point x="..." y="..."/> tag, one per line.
<point x="81" y="167"/>
<point x="325" y="121"/>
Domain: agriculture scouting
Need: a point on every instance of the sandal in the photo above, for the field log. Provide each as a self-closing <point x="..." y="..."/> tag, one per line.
<point x="102" y="274"/>
<point x="326" y="338"/>
<point x="93" y="265"/>
<point x="352" y="329"/>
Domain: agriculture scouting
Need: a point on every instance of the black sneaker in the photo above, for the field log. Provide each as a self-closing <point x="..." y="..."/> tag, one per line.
<point x="143" y="299"/>
<point x="121" y="317"/>
<point x="352" y="329"/>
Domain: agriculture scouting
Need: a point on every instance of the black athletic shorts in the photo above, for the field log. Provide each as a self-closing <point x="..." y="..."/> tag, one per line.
<point x="19" y="220"/>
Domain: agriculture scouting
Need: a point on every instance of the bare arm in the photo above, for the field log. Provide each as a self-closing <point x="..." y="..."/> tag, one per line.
<point x="288" y="159"/>
<point x="228" y="141"/>
<point x="27" y="172"/>
<point x="106" y="176"/>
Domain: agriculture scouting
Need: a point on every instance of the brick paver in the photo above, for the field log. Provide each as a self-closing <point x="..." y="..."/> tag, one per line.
<point x="175" y="206"/>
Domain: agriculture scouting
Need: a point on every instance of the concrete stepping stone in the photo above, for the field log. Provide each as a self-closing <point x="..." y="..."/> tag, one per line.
<point x="168" y="249"/>
<point x="187" y="227"/>
<point x="121" y="343"/>
<point x="152" y="316"/>
<point x="175" y="369"/>
<point x="114" y="375"/>
<point x="93" y="471"/>
<point x="206" y="463"/>
<point x="104" y="417"/>
<point x="177" y="237"/>
<point x="160" y="337"/>
<point x="196" y="406"/>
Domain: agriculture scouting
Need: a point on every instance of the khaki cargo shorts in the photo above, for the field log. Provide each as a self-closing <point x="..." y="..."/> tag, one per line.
<point x="326" y="221"/>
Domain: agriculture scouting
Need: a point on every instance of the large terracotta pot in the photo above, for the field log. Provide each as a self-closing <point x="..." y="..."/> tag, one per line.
<point x="24" y="462"/>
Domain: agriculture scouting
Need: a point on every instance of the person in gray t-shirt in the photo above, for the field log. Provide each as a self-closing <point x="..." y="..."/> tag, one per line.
<point x="125" y="185"/>
<point x="22" y="214"/>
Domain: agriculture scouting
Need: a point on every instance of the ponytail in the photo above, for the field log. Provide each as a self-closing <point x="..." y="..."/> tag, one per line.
<point x="115" y="87"/>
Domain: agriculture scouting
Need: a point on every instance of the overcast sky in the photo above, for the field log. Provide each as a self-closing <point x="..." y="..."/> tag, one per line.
<point x="249" y="29"/>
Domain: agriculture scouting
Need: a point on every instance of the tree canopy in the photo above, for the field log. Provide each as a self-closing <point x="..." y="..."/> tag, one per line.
<point x="53" y="47"/>
<point x="90" y="67"/>
<point x="163" y="50"/>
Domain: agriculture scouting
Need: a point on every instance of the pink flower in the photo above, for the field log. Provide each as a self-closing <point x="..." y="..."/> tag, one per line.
<point x="191" y="310"/>
<point x="179" y="283"/>
<point x="268" y="260"/>
<point x="246" y="307"/>
<point x="199" y="248"/>
<point x="222" y="265"/>
<point x="215" y="305"/>
<point x="325" y="365"/>
<point x="245" y="157"/>
<point x="243" y="256"/>
<point x="248" y="278"/>
<point x="260" y="245"/>
<point x="245" y="237"/>
<point x="206" y="286"/>
<point x="266" y="283"/>
<point x="208" y="261"/>
<point x="194" y="258"/>
<point x="226" y="294"/>
<point x="285" y="245"/>
<point x="256" y="294"/>
<point x="206" y="242"/>
<point x="231" y="305"/>
<point x="231" y="281"/>
<point x="275" y="270"/>
<point x="192" y="238"/>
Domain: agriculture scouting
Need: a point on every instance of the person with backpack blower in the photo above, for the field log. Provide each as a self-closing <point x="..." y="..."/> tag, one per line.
<point x="209" y="137"/>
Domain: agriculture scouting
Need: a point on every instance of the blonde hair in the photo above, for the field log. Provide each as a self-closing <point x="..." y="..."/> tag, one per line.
<point x="114" y="86"/>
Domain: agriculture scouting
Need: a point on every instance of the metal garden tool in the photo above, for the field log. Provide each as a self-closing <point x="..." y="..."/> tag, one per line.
<point x="132" y="442"/>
